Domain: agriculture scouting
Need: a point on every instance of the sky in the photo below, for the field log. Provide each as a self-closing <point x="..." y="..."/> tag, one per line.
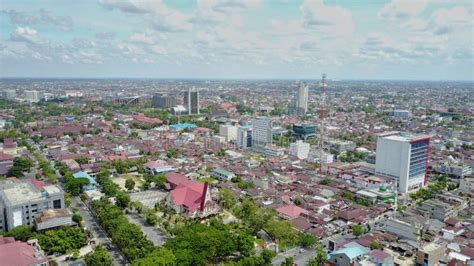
<point x="284" y="39"/>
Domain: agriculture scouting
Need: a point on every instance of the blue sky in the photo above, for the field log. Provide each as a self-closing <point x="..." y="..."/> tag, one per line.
<point x="347" y="39"/>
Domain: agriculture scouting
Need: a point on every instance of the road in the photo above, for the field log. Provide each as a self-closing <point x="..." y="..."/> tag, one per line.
<point x="91" y="223"/>
<point x="299" y="258"/>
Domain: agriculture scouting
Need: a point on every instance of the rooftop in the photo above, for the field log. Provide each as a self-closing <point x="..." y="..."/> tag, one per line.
<point x="21" y="193"/>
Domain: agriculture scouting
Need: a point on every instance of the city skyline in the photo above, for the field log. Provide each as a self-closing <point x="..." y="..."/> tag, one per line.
<point x="392" y="40"/>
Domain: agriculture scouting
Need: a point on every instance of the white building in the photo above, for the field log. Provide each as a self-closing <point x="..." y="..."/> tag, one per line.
<point x="229" y="132"/>
<point x="405" y="158"/>
<point x="299" y="149"/>
<point x="401" y="113"/>
<point x="314" y="156"/>
<point x="244" y="137"/>
<point x="31" y="96"/>
<point x="261" y="132"/>
<point x="302" y="101"/>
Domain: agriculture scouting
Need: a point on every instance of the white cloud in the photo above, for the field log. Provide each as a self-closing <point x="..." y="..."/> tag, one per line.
<point x="446" y="20"/>
<point x="334" y="20"/>
<point x="402" y="9"/>
<point x="24" y="34"/>
<point x="162" y="17"/>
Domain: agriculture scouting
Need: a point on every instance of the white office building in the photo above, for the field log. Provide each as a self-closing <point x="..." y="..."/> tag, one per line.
<point x="302" y="101"/>
<point x="261" y="132"/>
<point x="244" y="137"/>
<point x="229" y="132"/>
<point x="300" y="149"/>
<point x="31" y="96"/>
<point x="403" y="157"/>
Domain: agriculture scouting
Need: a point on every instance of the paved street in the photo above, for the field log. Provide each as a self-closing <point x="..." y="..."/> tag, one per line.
<point x="300" y="258"/>
<point x="91" y="223"/>
<point x="99" y="234"/>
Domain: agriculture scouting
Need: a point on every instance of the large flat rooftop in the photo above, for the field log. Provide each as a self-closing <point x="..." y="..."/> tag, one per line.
<point x="21" y="193"/>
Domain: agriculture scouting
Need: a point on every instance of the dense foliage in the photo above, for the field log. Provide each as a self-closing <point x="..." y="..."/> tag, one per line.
<point x="100" y="256"/>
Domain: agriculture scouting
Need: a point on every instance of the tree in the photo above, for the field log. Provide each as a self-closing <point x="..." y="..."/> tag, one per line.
<point x="159" y="180"/>
<point x="77" y="218"/>
<point x="20" y="166"/>
<point x="297" y="201"/>
<point x="288" y="261"/>
<point x="151" y="218"/>
<point x="100" y="256"/>
<point x="321" y="256"/>
<point x="62" y="240"/>
<point x="268" y="255"/>
<point x="227" y="198"/>
<point x="172" y="153"/>
<point x="325" y="182"/>
<point x="160" y="256"/>
<point x="375" y="245"/>
<point x="122" y="200"/>
<point x="74" y="185"/>
<point x="281" y="231"/>
<point x="21" y="232"/>
<point x="357" y="230"/>
<point x="221" y="153"/>
<point x="307" y="240"/>
<point x="130" y="184"/>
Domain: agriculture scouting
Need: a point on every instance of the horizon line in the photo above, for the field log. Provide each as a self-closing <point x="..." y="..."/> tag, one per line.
<point x="239" y="78"/>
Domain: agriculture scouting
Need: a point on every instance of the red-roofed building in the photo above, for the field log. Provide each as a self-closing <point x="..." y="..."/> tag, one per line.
<point x="9" y="144"/>
<point x="290" y="211"/>
<point x="141" y="118"/>
<point x="6" y="162"/>
<point x="188" y="197"/>
<point x="20" y="253"/>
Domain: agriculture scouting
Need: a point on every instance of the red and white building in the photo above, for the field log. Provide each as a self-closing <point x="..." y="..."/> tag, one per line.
<point x="189" y="197"/>
<point x="403" y="157"/>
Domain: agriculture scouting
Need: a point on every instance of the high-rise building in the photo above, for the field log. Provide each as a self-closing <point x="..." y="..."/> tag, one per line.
<point x="302" y="100"/>
<point x="163" y="101"/>
<point x="244" y="137"/>
<point x="191" y="101"/>
<point x="9" y="94"/>
<point x="403" y="157"/>
<point x="31" y="96"/>
<point x="261" y="132"/>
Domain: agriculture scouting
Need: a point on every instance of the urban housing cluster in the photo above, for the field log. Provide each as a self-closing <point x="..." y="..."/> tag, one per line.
<point x="236" y="172"/>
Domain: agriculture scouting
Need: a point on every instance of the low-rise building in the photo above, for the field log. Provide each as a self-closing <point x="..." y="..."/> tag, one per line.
<point x="53" y="218"/>
<point x="188" y="197"/>
<point x="13" y="252"/>
<point x="430" y="254"/>
<point x="299" y="149"/>
<point x="229" y="132"/>
<point x="157" y="167"/>
<point x="342" y="145"/>
<point x="405" y="227"/>
<point x="440" y="210"/>
<point x="222" y="174"/>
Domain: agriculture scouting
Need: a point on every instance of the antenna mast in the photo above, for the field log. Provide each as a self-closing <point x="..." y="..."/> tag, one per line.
<point x="323" y="113"/>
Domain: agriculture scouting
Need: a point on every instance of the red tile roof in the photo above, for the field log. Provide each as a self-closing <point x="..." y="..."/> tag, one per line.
<point x="292" y="211"/>
<point x="5" y="157"/>
<point x="17" y="253"/>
